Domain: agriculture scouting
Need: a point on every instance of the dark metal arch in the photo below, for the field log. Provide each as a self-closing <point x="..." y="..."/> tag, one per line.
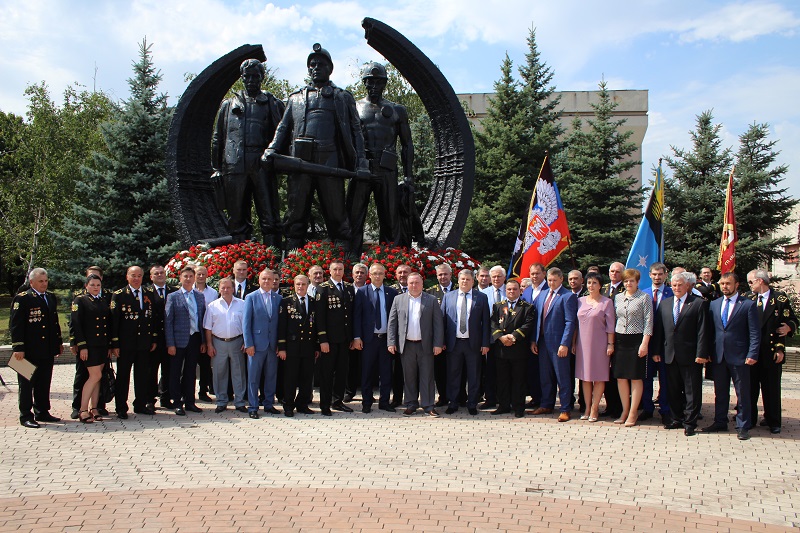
<point x="445" y="214"/>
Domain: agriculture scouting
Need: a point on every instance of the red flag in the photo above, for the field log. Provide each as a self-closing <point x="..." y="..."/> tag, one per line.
<point x="727" y="244"/>
<point x="544" y="233"/>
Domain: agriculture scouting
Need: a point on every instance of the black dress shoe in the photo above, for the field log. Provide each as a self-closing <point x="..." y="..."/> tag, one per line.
<point x="387" y="407"/>
<point x="242" y="409"/>
<point x="531" y="405"/>
<point x="689" y="432"/>
<point x="102" y="411"/>
<point x="646" y="415"/>
<point x="487" y="405"/>
<point x="339" y="406"/>
<point x="76" y="413"/>
<point x="30" y="424"/>
<point x="715" y="428"/>
<point x="348" y="398"/>
<point x="500" y="411"/>
<point x="47" y="417"/>
<point x="204" y="398"/>
<point x="178" y="411"/>
<point x="288" y="413"/>
<point x="167" y="404"/>
<point x="326" y="411"/>
<point x="305" y="410"/>
<point x="410" y="411"/>
<point x="743" y="434"/>
<point x="450" y="410"/>
<point x="473" y="411"/>
<point x="366" y="409"/>
<point x="193" y="408"/>
<point x="432" y="413"/>
<point x="124" y="416"/>
<point x="144" y="411"/>
<point x="775" y="430"/>
<point x="519" y="413"/>
<point x="272" y="411"/>
<point x="254" y="415"/>
<point x="395" y="404"/>
<point x="441" y="403"/>
<point x="218" y="409"/>
<point x="763" y="423"/>
<point x="673" y="425"/>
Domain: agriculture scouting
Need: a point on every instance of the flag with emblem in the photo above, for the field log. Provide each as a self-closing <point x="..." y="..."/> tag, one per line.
<point x="726" y="262"/>
<point x="648" y="246"/>
<point x="544" y="233"/>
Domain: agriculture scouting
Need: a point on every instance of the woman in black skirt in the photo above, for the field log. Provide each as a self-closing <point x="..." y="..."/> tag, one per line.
<point x="633" y="331"/>
<point x="89" y="327"/>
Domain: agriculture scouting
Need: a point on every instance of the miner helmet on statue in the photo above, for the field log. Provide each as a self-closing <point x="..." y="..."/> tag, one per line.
<point x="373" y="70"/>
<point x="319" y="51"/>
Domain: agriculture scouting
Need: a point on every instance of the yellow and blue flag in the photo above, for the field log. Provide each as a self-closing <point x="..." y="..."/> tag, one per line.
<point x="648" y="246"/>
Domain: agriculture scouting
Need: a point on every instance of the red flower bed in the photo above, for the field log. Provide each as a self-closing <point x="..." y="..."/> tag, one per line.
<point x="321" y="253"/>
<point x="220" y="260"/>
<point x="392" y="257"/>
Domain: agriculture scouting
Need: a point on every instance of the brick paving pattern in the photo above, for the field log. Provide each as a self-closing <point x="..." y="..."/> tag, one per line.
<point x="382" y="471"/>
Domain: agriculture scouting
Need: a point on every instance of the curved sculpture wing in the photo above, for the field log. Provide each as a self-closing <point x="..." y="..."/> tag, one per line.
<point x="188" y="158"/>
<point x="445" y="214"/>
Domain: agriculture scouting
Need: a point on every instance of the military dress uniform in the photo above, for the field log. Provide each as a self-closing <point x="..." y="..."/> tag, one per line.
<point x="299" y="336"/>
<point x="89" y="328"/>
<point x="81" y="374"/>
<point x="134" y="332"/>
<point x="518" y="320"/>
<point x="159" y="388"/>
<point x="36" y="332"/>
<point x="765" y="375"/>
<point x="335" y="316"/>
<point x="709" y="292"/>
<point x="613" y="401"/>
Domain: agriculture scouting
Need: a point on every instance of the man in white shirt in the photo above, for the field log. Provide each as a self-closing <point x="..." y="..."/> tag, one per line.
<point x="223" y="325"/>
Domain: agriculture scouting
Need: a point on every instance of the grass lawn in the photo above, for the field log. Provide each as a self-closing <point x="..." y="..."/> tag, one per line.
<point x="64" y="304"/>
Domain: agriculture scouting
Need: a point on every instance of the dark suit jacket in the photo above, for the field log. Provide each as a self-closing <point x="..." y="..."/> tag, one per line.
<point x="431" y="324"/>
<point x="686" y="340"/>
<point x="562" y="319"/>
<point x="176" y="318"/>
<point x="606" y="290"/>
<point x="90" y="322"/>
<point x="158" y="310"/>
<point x="527" y="294"/>
<point x="34" y="326"/>
<point x="521" y="322"/>
<point x="778" y="310"/>
<point x="364" y="310"/>
<point x="132" y="327"/>
<point x="741" y="338"/>
<point x="667" y="293"/>
<point x="477" y="324"/>
<point x="335" y="311"/>
<point x="437" y="291"/>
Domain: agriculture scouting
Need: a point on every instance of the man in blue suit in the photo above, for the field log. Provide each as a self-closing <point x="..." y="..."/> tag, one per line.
<point x="657" y="292"/>
<point x="737" y="337"/>
<point x="467" y="338"/>
<point x="370" y="321"/>
<point x="557" y="309"/>
<point x="260" y="329"/>
<point x="183" y="329"/>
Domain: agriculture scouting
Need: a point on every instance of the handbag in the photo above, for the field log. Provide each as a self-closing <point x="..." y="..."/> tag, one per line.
<point x="107" y="383"/>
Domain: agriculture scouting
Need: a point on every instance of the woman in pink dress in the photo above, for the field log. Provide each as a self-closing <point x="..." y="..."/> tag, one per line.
<point x="594" y="344"/>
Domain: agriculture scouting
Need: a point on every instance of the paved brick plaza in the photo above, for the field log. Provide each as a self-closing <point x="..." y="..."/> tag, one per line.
<point x="208" y="472"/>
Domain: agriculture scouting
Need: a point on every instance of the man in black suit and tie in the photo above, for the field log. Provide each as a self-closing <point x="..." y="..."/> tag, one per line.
<point x="513" y="321"/>
<point x="401" y="273"/>
<point x="241" y="286"/>
<point x="737" y="338"/>
<point x="681" y="340"/>
<point x="611" y="289"/>
<point x="467" y="339"/>
<point x="416" y="333"/>
<point x="777" y="322"/>
<point x="160" y="387"/>
<point x="444" y="276"/>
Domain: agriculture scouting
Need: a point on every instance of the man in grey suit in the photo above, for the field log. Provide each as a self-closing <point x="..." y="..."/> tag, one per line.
<point x="183" y="329"/>
<point x="416" y="332"/>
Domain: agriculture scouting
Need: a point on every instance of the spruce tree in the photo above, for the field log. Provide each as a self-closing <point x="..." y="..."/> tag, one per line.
<point x="761" y="204"/>
<point x="123" y="216"/>
<point x="694" y="197"/>
<point x="602" y="199"/>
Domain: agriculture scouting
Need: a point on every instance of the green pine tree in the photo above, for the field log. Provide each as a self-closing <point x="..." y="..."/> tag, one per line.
<point x="760" y="204"/>
<point x="123" y="215"/>
<point x="694" y="197"/>
<point x="602" y="199"/>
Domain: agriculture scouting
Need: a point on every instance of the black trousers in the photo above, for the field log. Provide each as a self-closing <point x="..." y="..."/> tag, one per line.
<point x="298" y="372"/>
<point x="334" y="367"/>
<point x="206" y="374"/>
<point x="139" y="360"/>
<point x="34" y="395"/>
<point x="160" y="386"/>
<point x="685" y="392"/>
<point x="398" y="381"/>
<point x="81" y="375"/>
<point x="613" y="401"/>
<point x="511" y="386"/>
<point x="765" y="377"/>
<point x="440" y="375"/>
<point x="183" y="372"/>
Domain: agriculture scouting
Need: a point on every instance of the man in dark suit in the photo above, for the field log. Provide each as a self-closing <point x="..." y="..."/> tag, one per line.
<point x="512" y="323"/>
<point x="737" y="337"/>
<point x="242" y="286"/>
<point x="183" y="328"/>
<point x="467" y="339"/>
<point x="360" y="274"/>
<point x="370" y="320"/>
<point x="401" y="273"/>
<point x="557" y="318"/>
<point x="416" y="333"/>
<point x="777" y="322"/>
<point x="35" y="336"/>
<point x="538" y="285"/>
<point x="681" y="341"/>
<point x="160" y="358"/>
<point x="657" y="292"/>
<point x="299" y="339"/>
<point x="444" y="276"/>
<point x="706" y="286"/>
<point x="134" y="337"/>
<point x="335" y="300"/>
<point x="611" y="289"/>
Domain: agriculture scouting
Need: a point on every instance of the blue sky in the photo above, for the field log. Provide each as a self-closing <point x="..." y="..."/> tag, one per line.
<point x="740" y="58"/>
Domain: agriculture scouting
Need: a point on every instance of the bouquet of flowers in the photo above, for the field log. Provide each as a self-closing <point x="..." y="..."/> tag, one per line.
<point x="220" y="260"/>
<point x="392" y="257"/>
<point x="321" y="253"/>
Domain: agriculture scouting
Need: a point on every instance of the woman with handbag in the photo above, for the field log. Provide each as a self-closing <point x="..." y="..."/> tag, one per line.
<point x="89" y="327"/>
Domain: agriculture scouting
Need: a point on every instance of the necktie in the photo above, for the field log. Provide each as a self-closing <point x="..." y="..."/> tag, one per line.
<point x="268" y="303"/>
<point x="136" y="295"/>
<point x="761" y="304"/>
<point x="192" y="314"/>
<point x="378" y="320"/>
<point x="161" y="292"/>
<point x="677" y="311"/>
<point x="496" y="295"/>
<point x="444" y="289"/>
<point x="511" y="305"/>
<point x="404" y="289"/>
<point x="655" y="296"/>
<point x="339" y="286"/>
<point x="43" y="297"/>
<point x="547" y="305"/>
<point x="239" y="291"/>
<point x="303" y="305"/>
<point x="725" y="312"/>
<point x="462" y="322"/>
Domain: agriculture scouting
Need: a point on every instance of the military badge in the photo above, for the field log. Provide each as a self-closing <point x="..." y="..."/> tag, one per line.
<point x="16" y="305"/>
<point x="785" y="313"/>
<point x="74" y="307"/>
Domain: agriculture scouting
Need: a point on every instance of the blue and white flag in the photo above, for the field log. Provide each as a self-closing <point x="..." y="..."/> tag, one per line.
<point x="648" y="247"/>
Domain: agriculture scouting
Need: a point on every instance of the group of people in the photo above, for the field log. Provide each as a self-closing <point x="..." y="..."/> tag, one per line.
<point x="481" y="339"/>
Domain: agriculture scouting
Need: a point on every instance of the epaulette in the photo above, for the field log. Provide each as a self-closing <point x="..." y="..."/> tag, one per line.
<point x="119" y="291"/>
<point x="326" y="283"/>
<point x="148" y="289"/>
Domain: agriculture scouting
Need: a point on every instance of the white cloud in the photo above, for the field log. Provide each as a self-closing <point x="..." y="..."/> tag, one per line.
<point x="739" y="22"/>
